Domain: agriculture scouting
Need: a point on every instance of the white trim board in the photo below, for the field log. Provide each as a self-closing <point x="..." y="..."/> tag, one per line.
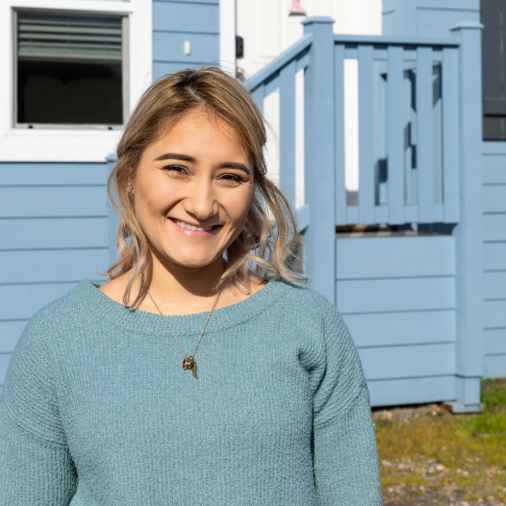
<point x="227" y="35"/>
<point x="69" y="145"/>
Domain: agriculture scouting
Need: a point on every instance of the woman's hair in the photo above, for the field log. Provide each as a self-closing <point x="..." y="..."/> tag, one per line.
<point x="269" y="237"/>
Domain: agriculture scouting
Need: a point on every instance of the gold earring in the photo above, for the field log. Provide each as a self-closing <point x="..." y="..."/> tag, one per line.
<point x="129" y="189"/>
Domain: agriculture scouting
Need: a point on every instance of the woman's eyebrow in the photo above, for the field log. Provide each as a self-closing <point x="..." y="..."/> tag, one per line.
<point x="188" y="158"/>
<point x="176" y="156"/>
<point x="233" y="165"/>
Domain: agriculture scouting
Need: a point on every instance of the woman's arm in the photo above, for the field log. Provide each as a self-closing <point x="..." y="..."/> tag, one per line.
<point x="345" y="456"/>
<point x="35" y="464"/>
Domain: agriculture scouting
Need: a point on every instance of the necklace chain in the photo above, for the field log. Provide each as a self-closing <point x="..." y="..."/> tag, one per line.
<point x="170" y="328"/>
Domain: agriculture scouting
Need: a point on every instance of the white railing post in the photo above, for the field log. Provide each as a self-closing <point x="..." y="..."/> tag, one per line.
<point x="319" y="178"/>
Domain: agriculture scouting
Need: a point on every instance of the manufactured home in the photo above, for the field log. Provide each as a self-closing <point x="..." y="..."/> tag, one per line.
<point x="391" y="122"/>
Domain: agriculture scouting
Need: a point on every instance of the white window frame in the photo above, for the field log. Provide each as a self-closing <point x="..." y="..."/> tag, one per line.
<point x="82" y="144"/>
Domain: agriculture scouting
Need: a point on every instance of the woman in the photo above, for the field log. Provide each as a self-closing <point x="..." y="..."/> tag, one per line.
<point x="200" y="374"/>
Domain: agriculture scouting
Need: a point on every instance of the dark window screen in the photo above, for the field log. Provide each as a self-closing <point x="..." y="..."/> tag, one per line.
<point x="493" y="69"/>
<point x="69" y="69"/>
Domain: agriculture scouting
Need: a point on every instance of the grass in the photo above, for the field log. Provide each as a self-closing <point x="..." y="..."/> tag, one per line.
<point x="465" y="453"/>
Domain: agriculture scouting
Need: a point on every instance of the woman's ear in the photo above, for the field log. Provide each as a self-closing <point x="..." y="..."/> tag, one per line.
<point x="130" y="186"/>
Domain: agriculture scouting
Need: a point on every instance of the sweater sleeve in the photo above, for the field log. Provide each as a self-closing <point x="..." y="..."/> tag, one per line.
<point x="345" y="456"/>
<point x="35" y="465"/>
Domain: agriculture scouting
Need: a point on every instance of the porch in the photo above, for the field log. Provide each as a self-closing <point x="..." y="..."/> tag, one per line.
<point x="410" y="285"/>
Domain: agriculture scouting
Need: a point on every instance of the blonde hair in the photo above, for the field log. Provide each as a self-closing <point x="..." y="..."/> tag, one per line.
<point x="266" y="242"/>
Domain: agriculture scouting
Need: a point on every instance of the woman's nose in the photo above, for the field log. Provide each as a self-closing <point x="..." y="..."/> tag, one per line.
<point x="201" y="200"/>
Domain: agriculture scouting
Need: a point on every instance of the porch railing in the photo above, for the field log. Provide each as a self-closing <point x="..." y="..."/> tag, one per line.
<point x="408" y="130"/>
<point x="410" y="106"/>
<point x="280" y="74"/>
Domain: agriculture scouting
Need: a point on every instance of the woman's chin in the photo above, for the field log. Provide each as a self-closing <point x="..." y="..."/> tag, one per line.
<point x="192" y="260"/>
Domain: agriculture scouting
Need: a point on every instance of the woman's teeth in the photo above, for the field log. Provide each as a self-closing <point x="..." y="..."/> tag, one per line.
<point x="192" y="227"/>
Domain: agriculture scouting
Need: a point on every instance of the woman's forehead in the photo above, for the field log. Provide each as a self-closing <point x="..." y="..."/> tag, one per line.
<point x="203" y="133"/>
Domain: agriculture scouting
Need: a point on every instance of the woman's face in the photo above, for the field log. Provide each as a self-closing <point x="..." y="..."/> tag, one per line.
<point x="193" y="190"/>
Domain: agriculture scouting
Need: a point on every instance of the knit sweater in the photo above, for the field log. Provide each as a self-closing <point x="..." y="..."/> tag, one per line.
<point x="97" y="409"/>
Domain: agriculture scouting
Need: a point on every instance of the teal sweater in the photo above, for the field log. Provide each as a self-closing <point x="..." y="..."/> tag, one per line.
<point x="97" y="409"/>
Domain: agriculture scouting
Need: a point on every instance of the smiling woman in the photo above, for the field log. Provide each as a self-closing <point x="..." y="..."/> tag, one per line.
<point x="96" y="409"/>
<point x="192" y="154"/>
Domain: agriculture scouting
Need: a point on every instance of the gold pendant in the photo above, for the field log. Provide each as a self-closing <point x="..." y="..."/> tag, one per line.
<point x="189" y="363"/>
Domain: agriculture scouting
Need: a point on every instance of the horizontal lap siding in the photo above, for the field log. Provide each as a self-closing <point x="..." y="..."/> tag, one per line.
<point x="54" y="233"/>
<point x="40" y="233"/>
<point x="10" y="332"/>
<point x="43" y="174"/>
<point x="494" y="227"/>
<point x="494" y="255"/>
<point x="16" y="202"/>
<point x="392" y="295"/>
<point x="495" y="285"/>
<point x="495" y="352"/>
<point x="21" y="302"/>
<point x="397" y="296"/>
<point x="415" y="361"/>
<point x="393" y="329"/>
<point x="176" y="22"/>
<point x="412" y="390"/>
<point x="495" y="314"/>
<point x="48" y="266"/>
<point x="436" y="16"/>
<point x="356" y="262"/>
<point x="494" y="198"/>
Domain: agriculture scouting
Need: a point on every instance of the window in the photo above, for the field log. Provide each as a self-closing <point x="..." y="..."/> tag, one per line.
<point x="54" y="56"/>
<point x="494" y="69"/>
<point x="70" y="69"/>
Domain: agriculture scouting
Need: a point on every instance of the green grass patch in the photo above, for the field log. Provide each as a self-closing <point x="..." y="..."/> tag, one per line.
<point x="440" y="450"/>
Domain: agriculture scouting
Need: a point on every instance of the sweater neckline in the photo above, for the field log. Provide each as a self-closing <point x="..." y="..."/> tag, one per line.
<point x="152" y="323"/>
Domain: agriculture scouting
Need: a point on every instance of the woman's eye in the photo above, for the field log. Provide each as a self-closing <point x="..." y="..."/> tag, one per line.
<point x="176" y="170"/>
<point x="231" y="179"/>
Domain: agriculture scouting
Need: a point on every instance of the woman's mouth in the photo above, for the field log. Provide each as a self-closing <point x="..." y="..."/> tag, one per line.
<point x="195" y="230"/>
<point x="193" y="227"/>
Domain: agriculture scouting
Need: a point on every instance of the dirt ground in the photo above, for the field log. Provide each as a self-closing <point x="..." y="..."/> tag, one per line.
<point x="399" y="497"/>
<point x="417" y="475"/>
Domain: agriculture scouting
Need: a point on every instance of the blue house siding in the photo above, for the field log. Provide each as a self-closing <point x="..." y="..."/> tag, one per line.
<point x="494" y="247"/>
<point x="54" y="230"/>
<point x="177" y="22"/>
<point x="397" y="295"/>
<point x="427" y="18"/>
<point x="55" y="225"/>
<point x="436" y="16"/>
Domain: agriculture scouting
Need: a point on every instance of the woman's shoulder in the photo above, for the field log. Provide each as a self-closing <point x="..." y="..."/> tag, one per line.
<point x="42" y="340"/>
<point x="64" y="312"/>
<point x="305" y="301"/>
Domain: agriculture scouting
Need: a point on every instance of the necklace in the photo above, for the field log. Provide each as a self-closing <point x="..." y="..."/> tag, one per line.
<point x="189" y="362"/>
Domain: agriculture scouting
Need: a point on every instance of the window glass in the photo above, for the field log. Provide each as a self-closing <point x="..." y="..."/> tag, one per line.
<point x="493" y="39"/>
<point x="69" y="69"/>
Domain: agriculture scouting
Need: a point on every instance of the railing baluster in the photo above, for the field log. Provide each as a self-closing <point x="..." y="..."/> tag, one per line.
<point x="409" y="139"/>
<point x="450" y="135"/>
<point x="380" y="99"/>
<point x="437" y="141"/>
<point x="258" y="96"/>
<point x="395" y="128"/>
<point x="366" y="135"/>
<point x="287" y="131"/>
<point x="271" y="84"/>
<point x="339" y="134"/>
<point x="424" y="148"/>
